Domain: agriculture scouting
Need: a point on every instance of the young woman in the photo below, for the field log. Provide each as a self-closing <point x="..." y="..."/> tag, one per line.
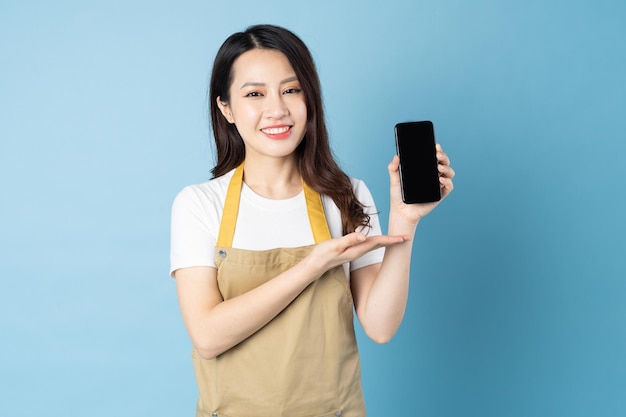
<point x="271" y="256"/>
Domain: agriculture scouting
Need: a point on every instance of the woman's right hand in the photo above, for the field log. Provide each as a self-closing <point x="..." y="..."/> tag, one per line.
<point x="334" y="252"/>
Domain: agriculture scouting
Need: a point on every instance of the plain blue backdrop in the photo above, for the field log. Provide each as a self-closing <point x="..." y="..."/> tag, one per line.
<point x="518" y="298"/>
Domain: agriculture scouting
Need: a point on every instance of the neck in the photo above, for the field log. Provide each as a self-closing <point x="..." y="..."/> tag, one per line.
<point x="273" y="178"/>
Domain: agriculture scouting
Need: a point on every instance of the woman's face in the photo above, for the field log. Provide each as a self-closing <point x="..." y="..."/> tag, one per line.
<point x="266" y="104"/>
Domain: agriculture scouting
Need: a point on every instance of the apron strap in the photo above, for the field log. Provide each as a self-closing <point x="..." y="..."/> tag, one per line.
<point x="315" y="210"/>
<point x="231" y="209"/>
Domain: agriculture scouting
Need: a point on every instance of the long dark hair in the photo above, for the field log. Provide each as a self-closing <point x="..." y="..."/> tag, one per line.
<point x="316" y="163"/>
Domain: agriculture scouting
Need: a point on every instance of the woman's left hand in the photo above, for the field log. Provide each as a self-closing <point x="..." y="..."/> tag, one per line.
<point x="412" y="213"/>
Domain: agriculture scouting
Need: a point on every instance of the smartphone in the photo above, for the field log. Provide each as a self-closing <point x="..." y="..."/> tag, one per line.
<point x="419" y="176"/>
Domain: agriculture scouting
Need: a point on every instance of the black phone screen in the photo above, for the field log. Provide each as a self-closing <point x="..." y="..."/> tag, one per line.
<point x="419" y="176"/>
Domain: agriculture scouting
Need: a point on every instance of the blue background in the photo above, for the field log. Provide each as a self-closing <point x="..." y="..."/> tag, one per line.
<point x="517" y="304"/>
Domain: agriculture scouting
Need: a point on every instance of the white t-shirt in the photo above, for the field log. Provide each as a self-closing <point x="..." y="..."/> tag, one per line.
<point x="262" y="223"/>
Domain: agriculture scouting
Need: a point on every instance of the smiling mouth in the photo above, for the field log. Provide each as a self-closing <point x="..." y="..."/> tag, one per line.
<point x="276" y="130"/>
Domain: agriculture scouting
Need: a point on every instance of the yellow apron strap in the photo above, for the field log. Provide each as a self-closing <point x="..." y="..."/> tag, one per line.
<point x="231" y="209"/>
<point x="315" y="210"/>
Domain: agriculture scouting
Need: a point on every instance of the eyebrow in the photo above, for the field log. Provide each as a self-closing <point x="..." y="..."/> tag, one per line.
<point x="261" y="84"/>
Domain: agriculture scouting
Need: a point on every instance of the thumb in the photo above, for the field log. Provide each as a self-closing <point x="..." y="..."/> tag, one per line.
<point x="354" y="238"/>
<point x="349" y="240"/>
<point x="394" y="168"/>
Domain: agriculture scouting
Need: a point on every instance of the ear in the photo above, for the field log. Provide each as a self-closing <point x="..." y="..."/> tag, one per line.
<point x="225" y="109"/>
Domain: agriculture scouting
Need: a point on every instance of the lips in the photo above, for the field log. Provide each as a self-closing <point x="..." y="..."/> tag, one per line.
<point x="277" y="132"/>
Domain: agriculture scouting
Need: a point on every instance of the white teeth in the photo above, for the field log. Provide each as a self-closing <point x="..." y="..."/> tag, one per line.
<point x="276" y="130"/>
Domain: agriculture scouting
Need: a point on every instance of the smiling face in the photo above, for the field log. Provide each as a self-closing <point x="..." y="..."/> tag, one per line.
<point x="266" y="104"/>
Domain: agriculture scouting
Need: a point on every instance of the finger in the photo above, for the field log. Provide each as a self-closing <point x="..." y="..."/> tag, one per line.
<point x="387" y="240"/>
<point x="359" y="239"/>
<point x="446" y="171"/>
<point x="356" y="237"/>
<point x="442" y="157"/>
<point x="372" y="243"/>
<point x="351" y="239"/>
<point x="446" y="185"/>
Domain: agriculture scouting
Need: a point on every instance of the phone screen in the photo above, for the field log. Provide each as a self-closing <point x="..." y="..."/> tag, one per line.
<point x="419" y="176"/>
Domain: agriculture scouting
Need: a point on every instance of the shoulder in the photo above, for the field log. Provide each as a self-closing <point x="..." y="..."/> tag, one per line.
<point x="201" y="203"/>
<point x="361" y="191"/>
<point x="333" y="215"/>
<point x="203" y="195"/>
<point x="363" y="194"/>
<point x="358" y="185"/>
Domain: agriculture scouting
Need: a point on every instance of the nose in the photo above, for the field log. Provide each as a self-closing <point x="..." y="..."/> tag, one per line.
<point x="276" y="107"/>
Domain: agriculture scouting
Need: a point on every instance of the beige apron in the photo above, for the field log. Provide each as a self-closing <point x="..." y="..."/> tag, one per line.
<point x="304" y="363"/>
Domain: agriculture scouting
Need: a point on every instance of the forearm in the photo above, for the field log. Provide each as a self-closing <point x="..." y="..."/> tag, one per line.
<point x="216" y="329"/>
<point x="385" y="304"/>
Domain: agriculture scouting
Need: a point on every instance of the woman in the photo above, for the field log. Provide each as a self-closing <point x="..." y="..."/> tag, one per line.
<point x="271" y="256"/>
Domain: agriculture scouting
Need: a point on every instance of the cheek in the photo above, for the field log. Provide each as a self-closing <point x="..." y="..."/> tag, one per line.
<point x="245" y="114"/>
<point x="300" y="108"/>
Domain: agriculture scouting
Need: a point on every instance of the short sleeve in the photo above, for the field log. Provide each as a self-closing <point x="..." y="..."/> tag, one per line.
<point x="193" y="230"/>
<point x="364" y="195"/>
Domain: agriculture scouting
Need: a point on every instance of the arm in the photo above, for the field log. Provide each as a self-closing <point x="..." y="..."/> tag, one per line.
<point x="380" y="291"/>
<point x="215" y="325"/>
